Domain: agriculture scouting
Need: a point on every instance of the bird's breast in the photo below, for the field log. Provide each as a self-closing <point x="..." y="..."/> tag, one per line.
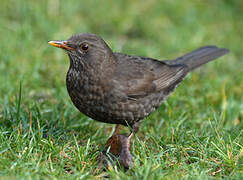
<point x="107" y="103"/>
<point x="85" y="91"/>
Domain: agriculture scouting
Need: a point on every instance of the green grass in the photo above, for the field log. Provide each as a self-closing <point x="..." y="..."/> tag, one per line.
<point x="196" y="134"/>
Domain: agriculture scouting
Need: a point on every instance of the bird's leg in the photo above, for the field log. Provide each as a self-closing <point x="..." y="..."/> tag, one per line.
<point x="114" y="142"/>
<point x="120" y="146"/>
<point x="135" y="127"/>
<point x="115" y="147"/>
<point x="126" y="158"/>
<point x="118" y="127"/>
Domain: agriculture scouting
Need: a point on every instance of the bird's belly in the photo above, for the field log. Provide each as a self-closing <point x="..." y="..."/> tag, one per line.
<point x="99" y="107"/>
<point x="96" y="104"/>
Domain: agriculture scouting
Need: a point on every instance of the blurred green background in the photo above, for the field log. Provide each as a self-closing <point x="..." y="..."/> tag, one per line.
<point x="206" y="108"/>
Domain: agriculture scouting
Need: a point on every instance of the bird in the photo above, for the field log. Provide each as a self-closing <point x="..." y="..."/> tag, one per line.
<point x="123" y="89"/>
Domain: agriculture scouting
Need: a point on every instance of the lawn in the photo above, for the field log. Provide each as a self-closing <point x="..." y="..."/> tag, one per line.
<point x="196" y="134"/>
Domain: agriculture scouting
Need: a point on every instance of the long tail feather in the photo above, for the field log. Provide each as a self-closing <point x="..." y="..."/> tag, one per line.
<point x="199" y="56"/>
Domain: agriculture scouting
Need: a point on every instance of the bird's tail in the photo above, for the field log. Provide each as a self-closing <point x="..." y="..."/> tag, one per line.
<point x="199" y="56"/>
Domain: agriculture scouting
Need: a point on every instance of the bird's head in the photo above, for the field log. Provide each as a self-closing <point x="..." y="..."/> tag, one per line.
<point x="85" y="49"/>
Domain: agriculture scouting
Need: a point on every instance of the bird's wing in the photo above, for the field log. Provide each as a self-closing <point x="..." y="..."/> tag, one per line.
<point x="139" y="76"/>
<point x="168" y="76"/>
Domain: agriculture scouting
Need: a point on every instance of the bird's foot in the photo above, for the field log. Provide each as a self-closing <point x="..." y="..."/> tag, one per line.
<point x="119" y="147"/>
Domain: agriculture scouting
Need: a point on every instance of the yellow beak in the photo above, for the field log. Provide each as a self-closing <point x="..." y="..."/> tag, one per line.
<point x="60" y="44"/>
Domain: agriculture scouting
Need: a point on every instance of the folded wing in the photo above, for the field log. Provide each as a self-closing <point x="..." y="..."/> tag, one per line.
<point x="141" y="76"/>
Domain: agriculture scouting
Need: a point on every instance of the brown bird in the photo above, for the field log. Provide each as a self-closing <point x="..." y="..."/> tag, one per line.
<point x="121" y="89"/>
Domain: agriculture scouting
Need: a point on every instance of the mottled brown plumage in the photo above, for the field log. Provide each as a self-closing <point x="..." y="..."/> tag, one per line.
<point x="121" y="89"/>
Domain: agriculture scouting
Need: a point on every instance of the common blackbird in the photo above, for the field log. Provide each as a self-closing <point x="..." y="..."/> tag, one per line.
<point x="121" y="89"/>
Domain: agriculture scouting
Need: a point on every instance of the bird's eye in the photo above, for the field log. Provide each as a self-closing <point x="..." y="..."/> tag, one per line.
<point x="84" y="47"/>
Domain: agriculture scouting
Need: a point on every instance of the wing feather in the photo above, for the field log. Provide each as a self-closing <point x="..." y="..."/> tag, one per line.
<point x="140" y="76"/>
<point x="169" y="76"/>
